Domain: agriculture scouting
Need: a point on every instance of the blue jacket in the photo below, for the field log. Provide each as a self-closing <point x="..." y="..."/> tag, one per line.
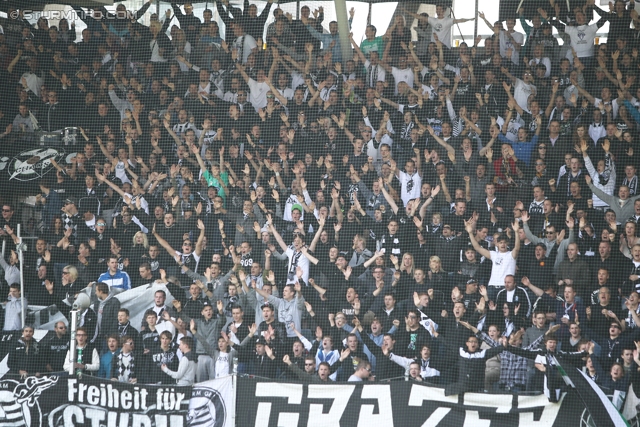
<point x="120" y="280"/>
<point x="105" y="364"/>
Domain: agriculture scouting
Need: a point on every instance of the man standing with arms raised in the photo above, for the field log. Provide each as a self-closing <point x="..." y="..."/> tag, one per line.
<point x="504" y="260"/>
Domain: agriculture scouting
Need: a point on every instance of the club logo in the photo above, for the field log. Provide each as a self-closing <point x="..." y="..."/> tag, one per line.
<point x="31" y="164"/>
<point x="206" y="407"/>
<point x="19" y="401"/>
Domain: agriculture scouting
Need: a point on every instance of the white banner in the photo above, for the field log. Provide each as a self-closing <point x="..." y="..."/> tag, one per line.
<point x="137" y="301"/>
<point x="212" y="403"/>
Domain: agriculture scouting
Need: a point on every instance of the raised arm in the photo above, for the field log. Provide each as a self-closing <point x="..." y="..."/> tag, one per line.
<point x="104" y="151"/>
<point x="240" y="69"/>
<point x="516" y="248"/>
<point x="276" y="235"/>
<point x="163" y="243"/>
<point x="468" y="225"/>
<point x="316" y="238"/>
<point x="387" y="196"/>
<point x="442" y="142"/>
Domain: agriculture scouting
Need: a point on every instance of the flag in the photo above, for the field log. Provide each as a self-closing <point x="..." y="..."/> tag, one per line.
<point x="427" y="322"/>
<point x="602" y="411"/>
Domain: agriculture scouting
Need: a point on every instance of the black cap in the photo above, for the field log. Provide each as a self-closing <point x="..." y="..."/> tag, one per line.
<point x="261" y="341"/>
<point x="472" y="282"/>
<point x="71" y="200"/>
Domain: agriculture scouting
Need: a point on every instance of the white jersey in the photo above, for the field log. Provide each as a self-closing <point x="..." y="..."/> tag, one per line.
<point x="410" y="186"/>
<point x="503" y="265"/>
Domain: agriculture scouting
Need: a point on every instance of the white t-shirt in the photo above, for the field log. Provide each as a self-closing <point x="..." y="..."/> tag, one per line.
<point x="258" y="94"/>
<point x="506" y="43"/>
<point x="503" y="265"/>
<point x="441" y="28"/>
<point x="521" y="93"/>
<point x="582" y="38"/>
<point x="405" y="75"/>
<point x="410" y="186"/>
<point x="222" y="364"/>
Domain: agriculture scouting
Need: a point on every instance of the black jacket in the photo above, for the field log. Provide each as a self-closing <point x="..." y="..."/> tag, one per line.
<point x="109" y="322"/>
<point x="26" y="358"/>
<point x="385" y="367"/>
<point x="471" y="367"/>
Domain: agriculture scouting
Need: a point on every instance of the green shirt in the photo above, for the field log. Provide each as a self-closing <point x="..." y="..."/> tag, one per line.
<point x="377" y="44"/>
<point x="211" y="181"/>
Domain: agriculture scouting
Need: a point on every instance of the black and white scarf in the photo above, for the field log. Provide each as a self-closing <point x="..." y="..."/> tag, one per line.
<point x="632" y="184"/>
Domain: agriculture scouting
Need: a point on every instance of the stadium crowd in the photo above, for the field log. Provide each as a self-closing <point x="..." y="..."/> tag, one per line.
<point x="466" y="216"/>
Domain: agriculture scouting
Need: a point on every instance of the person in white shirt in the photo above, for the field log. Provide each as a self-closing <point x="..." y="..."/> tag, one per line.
<point x="582" y="37"/>
<point x="503" y="260"/>
<point x="522" y="89"/>
<point x="410" y="180"/>
<point x="86" y="359"/>
<point x="442" y="25"/>
<point x="539" y="58"/>
<point x="257" y="88"/>
<point x="244" y="43"/>
<point x="511" y="41"/>
<point x="402" y="73"/>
